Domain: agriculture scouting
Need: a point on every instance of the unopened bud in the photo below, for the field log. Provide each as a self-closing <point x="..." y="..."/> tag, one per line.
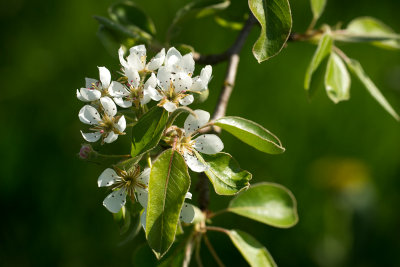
<point x="86" y="152"/>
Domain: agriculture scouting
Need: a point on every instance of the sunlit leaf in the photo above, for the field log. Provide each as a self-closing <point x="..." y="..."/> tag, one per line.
<point x="130" y="15"/>
<point x="169" y="183"/>
<point x="147" y="132"/>
<point x="367" y="29"/>
<point x="268" y="203"/>
<point x="251" y="133"/>
<point x="323" y="50"/>
<point x="357" y="69"/>
<point x="225" y="174"/>
<point x="337" y="79"/>
<point x="317" y="7"/>
<point x="275" y="19"/>
<point x="254" y="252"/>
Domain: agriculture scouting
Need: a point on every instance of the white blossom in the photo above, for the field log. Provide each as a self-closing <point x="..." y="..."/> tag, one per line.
<point x="95" y="89"/>
<point x="108" y="126"/>
<point x="123" y="184"/>
<point x="136" y="61"/>
<point x="189" y="142"/>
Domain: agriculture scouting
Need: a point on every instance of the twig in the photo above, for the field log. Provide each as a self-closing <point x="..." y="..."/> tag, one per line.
<point x="197" y="253"/>
<point x="217" y="229"/>
<point x="212" y="251"/>
<point x="204" y="192"/>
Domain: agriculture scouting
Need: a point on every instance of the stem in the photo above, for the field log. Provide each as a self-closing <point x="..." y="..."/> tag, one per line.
<point x="341" y="54"/>
<point x="212" y="251"/>
<point x="197" y="254"/>
<point x="214" y="214"/>
<point x="204" y="192"/>
<point x="217" y="229"/>
<point x="114" y="156"/>
<point x="188" y="250"/>
<point x="149" y="160"/>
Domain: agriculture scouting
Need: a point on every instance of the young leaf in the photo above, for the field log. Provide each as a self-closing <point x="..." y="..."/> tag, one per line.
<point x="120" y="29"/>
<point x="337" y="79"/>
<point x="225" y="174"/>
<point x="197" y="9"/>
<point x="146" y="133"/>
<point x="367" y="29"/>
<point x="356" y="68"/>
<point x="168" y="185"/>
<point x="275" y="19"/>
<point x="268" y="203"/>
<point x="254" y="252"/>
<point x="251" y="133"/>
<point x="323" y="49"/>
<point x="130" y="15"/>
<point x="317" y="7"/>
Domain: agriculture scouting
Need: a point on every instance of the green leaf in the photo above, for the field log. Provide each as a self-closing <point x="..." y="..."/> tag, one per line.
<point x="225" y="174"/>
<point x="117" y="28"/>
<point x="268" y="203"/>
<point x="197" y="9"/>
<point x="275" y="19"/>
<point x="317" y="7"/>
<point x="146" y="133"/>
<point x="252" y="134"/>
<point x="357" y="69"/>
<point x="323" y="49"/>
<point x="232" y="25"/>
<point x="254" y="252"/>
<point x="367" y="29"/>
<point x="131" y="16"/>
<point x="337" y="79"/>
<point x="169" y="182"/>
<point x="110" y="41"/>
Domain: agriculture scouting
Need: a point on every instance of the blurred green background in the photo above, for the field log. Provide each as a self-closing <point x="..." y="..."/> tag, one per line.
<point x="342" y="161"/>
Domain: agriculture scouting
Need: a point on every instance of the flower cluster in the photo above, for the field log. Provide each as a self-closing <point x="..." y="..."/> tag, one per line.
<point x="166" y="78"/>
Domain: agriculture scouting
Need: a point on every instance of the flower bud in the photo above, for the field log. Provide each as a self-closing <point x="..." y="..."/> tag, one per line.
<point x="86" y="152"/>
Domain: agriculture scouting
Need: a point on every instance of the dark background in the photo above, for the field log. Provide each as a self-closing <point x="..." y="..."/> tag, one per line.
<point x="342" y="161"/>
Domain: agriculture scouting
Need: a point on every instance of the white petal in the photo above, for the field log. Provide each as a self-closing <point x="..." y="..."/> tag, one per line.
<point x="146" y="97"/>
<point x="186" y="64"/>
<point x="145" y="176"/>
<point x="151" y="82"/>
<point x="154" y="94"/>
<point x="109" y="106"/>
<point x="156" y="61"/>
<point x="117" y="90"/>
<point x="192" y="123"/>
<point x="205" y="73"/>
<point x="170" y="107"/>
<point x="105" y="77"/>
<point x="115" y="201"/>
<point x="90" y="83"/>
<point x="188" y="195"/>
<point x="89" y="115"/>
<point x="133" y="77"/>
<point x="121" y="57"/>
<point x="208" y="144"/>
<point x="143" y="219"/>
<point x="194" y="163"/>
<point x="91" y="137"/>
<point x="121" y="124"/>
<point x="122" y="103"/>
<point x="182" y="82"/>
<point x="139" y="50"/>
<point x="172" y="57"/>
<point x="90" y="94"/>
<point x="135" y="62"/>
<point x="201" y="82"/>
<point x="79" y="96"/>
<point x="165" y="78"/>
<point x="142" y="197"/>
<point x="187" y="100"/>
<point x="107" y="177"/>
<point x="111" y="137"/>
<point x="187" y="213"/>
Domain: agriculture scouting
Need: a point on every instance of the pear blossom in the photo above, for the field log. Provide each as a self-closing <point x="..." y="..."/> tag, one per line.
<point x="124" y="183"/>
<point x="136" y="61"/>
<point x="107" y="127"/>
<point x="95" y="89"/>
<point x="137" y="93"/>
<point x="186" y="215"/>
<point x="188" y="144"/>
